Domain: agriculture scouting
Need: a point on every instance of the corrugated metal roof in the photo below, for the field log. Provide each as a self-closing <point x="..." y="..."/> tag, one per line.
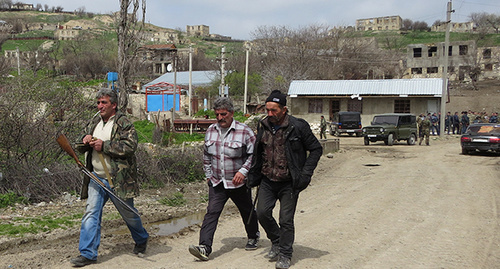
<point x="199" y="78"/>
<point x="423" y="86"/>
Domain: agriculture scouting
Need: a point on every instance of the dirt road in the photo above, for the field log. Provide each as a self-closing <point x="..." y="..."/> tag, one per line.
<point x="368" y="207"/>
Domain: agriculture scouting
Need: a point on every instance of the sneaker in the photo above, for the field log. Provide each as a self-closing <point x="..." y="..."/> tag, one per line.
<point x="283" y="262"/>
<point x="199" y="252"/>
<point x="140" y="248"/>
<point x="81" y="261"/>
<point x="272" y="255"/>
<point x="252" y="244"/>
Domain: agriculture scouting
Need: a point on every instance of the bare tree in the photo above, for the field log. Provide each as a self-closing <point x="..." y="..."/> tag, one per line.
<point x="486" y="22"/>
<point x="129" y="30"/>
<point x="5" y="4"/>
<point x="80" y="11"/>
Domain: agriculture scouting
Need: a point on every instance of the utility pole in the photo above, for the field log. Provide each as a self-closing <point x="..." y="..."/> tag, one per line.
<point x="190" y="80"/>
<point x="247" y="48"/>
<point x="222" y="67"/>
<point x="18" y="63"/>
<point x="175" y="88"/>
<point x="445" y="70"/>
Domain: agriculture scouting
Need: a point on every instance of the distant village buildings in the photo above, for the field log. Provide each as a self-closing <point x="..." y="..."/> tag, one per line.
<point x="466" y="61"/>
<point x="457" y="27"/>
<point x="379" y="23"/>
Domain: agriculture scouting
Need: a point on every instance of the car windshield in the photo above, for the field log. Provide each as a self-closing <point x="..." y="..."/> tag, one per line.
<point x="484" y="130"/>
<point x="349" y="117"/>
<point x="385" y="120"/>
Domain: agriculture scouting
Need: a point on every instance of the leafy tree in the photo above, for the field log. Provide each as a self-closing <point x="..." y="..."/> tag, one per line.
<point x="236" y="82"/>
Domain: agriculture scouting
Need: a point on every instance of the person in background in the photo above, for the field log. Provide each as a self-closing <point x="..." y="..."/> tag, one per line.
<point x="494" y="117"/>
<point x="109" y="142"/>
<point x="282" y="168"/>
<point x="447" y="123"/>
<point x="464" y="121"/>
<point x="455" y="123"/>
<point x="322" y="128"/>
<point x="426" y="126"/>
<point x="227" y="155"/>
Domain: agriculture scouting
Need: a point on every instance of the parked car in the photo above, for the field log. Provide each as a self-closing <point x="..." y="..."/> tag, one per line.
<point x="345" y="122"/>
<point x="77" y="28"/>
<point x="390" y="128"/>
<point x="481" y="137"/>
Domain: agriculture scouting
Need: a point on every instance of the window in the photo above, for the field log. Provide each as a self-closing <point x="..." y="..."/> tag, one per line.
<point x="417" y="52"/>
<point x="416" y="70"/>
<point x="488" y="67"/>
<point x="450" y="50"/>
<point x="355" y="105"/>
<point x="316" y="106"/>
<point x="487" y="54"/>
<point x="402" y="106"/>
<point x="431" y="52"/>
<point x="463" y="49"/>
<point x="432" y="70"/>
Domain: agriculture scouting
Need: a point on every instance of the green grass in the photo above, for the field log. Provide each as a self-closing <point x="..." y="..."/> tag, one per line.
<point x="176" y="200"/>
<point x="10" y="199"/>
<point x="21" y="226"/>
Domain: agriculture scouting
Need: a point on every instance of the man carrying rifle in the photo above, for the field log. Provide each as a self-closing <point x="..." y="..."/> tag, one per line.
<point x="109" y="143"/>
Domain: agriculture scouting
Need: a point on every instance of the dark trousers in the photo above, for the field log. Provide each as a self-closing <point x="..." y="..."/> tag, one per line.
<point x="217" y="198"/>
<point x="284" y="233"/>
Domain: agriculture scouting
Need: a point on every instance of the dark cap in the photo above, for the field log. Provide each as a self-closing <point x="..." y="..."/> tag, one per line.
<point x="277" y="97"/>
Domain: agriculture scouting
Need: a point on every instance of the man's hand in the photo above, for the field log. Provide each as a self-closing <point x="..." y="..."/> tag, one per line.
<point x="238" y="178"/>
<point x="93" y="142"/>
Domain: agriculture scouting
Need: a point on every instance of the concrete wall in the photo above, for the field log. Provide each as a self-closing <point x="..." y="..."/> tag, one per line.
<point x="372" y="106"/>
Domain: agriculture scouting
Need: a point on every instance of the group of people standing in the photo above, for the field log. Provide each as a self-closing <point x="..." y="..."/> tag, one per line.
<point x="279" y="160"/>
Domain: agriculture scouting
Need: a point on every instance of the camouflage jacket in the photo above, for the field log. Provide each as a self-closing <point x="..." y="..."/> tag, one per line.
<point x="121" y="149"/>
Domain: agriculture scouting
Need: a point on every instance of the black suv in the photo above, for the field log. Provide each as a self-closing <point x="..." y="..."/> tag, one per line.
<point x="346" y="122"/>
<point x="391" y="128"/>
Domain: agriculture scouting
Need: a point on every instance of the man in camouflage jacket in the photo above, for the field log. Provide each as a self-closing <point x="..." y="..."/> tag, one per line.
<point x="109" y="143"/>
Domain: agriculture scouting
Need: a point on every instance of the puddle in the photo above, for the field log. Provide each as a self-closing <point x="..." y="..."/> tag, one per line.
<point x="174" y="225"/>
<point x="171" y="226"/>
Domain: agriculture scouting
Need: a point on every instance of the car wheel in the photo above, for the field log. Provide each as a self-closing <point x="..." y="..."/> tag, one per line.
<point x="464" y="151"/>
<point x="390" y="140"/>
<point x="411" y="140"/>
<point x="367" y="141"/>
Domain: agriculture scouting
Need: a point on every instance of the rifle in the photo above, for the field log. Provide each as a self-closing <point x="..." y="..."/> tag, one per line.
<point x="62" y="140"/>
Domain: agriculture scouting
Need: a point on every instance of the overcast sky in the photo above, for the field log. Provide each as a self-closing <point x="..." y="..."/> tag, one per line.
<point x="238" y="18"/>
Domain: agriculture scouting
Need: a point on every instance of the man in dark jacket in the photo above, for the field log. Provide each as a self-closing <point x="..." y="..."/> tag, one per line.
<point x="282" y="168"/>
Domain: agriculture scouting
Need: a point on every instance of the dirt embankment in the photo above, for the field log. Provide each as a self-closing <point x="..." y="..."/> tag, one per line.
<point x="368" y="207"/>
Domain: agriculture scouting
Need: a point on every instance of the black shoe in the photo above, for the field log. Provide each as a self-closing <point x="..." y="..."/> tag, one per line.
<point x="81" y="261"/>
<point x="272" y="255"/>
<point x="283" y="262"/>
<point x="252" y="244"/>
<point x="140" y="248"/>
<point x="199" y="252"/>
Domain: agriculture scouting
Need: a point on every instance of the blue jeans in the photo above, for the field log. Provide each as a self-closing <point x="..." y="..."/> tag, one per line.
<point x="90" y="233"/>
